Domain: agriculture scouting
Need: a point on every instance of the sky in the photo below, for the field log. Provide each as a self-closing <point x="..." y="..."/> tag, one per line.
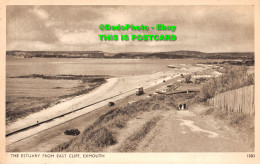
<point x="76" y="28"/>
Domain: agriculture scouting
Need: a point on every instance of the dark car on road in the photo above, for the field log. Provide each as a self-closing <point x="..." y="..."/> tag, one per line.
<point x="73" y="132"/>
<point x="111" y="103"/>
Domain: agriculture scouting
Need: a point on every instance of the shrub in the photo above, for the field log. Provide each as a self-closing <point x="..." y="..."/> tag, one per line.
<point x="102" y="137"/>
<point x="187" y="78"/>
<point x="233" y="78"/>
<point x="200" y="80"/>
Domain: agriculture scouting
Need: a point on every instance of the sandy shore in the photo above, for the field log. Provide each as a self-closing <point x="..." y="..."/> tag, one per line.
<point x="117" y="88"/>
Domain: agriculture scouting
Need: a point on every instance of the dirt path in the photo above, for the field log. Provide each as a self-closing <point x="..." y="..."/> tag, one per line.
<point x="184" y="131"/>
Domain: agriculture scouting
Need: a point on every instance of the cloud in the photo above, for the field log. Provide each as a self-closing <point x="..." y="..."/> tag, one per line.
<point x="201" y="28"/>
<point x="30" y="45"/>
<point x="77" y="37"/>
<point x="29" y="29"/>
<point x="40" y="13"/>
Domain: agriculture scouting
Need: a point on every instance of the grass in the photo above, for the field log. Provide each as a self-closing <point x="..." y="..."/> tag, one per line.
<point x="23" y="106"/>
<point x="133" y="140"/>
<point x="243" y="124"/>
<point x="84" y="78"/>
<point x="104" y="131"/>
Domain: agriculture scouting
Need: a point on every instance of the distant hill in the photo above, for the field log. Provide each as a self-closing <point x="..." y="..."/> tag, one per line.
<point x="57" y="54"/>
<point x="188" y="54"/>
<point x="132" y="55"/>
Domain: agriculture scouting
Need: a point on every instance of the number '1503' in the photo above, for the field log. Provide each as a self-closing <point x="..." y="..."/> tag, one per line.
<point x="250" y="155"/>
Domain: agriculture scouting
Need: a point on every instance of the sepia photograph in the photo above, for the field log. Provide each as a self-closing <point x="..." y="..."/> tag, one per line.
<point x="129" y="83"/>
<point x="154" y="79"/>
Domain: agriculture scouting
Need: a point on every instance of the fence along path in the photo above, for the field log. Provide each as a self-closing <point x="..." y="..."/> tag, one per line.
<point x="239" y="100"/>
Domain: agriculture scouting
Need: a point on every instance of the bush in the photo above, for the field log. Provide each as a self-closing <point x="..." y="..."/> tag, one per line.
<point x="187" y="78"/>
<point x="200" y="80"/>
<point x="233" y="78"/>
<point x="102" y="137"/>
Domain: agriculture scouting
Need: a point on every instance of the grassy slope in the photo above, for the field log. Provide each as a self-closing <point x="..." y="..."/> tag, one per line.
<point x="243" y="125"/>
<point x="132" y="142"/>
